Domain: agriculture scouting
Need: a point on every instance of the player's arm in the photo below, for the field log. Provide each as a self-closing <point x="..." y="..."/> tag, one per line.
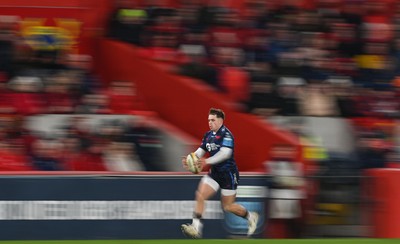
<point x="200" y="152"/>
<point x="223" y="154"/>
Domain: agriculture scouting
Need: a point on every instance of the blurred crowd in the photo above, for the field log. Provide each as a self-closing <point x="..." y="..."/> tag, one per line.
<point x="114" y="144"/>
<point x="339" y="58"/>
<point x="329" y="58"/>
<point x="40" y="76"/>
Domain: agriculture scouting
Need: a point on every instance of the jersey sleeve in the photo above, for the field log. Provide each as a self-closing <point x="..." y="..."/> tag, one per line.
<point x="223" y="154"/>
<point x="227" y="140"/>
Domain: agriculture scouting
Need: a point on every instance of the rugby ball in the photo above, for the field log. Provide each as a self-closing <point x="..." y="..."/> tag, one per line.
<point x="191" y="161"/>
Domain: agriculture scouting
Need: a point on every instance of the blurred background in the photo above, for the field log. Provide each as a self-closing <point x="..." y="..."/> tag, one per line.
<point x="310" y="89"/>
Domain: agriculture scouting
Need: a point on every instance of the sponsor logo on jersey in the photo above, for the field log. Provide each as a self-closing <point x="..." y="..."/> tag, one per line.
<point x="211" y="147"/>
<point x="227" y="141"/>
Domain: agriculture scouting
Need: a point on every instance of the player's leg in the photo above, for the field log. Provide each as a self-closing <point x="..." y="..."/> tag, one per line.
<point x="229" y="183"/>
<point x="206" y="189"/>
<point x="228" y="203"/>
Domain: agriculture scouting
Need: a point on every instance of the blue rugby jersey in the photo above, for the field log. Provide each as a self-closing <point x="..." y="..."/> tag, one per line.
<point x="212" y="143"/>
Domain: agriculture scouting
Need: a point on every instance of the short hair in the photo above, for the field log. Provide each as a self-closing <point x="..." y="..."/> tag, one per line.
<point x="217" y="112"/>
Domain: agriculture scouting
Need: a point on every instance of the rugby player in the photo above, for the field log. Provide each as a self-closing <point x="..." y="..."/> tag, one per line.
<point x="223" y="174"/>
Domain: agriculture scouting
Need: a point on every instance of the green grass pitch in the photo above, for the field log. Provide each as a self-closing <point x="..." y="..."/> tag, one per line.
<point x="220" y="241"/>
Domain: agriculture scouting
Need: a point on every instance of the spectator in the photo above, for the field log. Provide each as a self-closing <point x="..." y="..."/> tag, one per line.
<point x="234" y="80"/>
<point x="288" y="90"/>
<point x="45" y="155"/>
<point x="6" y="105"/>
<point x="8" y="40"/>
<point x="97" y="103"/>
<point x="396" y="54"/>
<point x="372" y="150"/>
<point x="344" y="90"/>
<point x="121" y="156"/>
<point x="189" y="12"/>
<point x="26" y="95"/>
<point x="384" y="104"/>
<point x="255" y="46"/>
<point x="91" y="156"/>
<point x="197" y="67"/>
<point x="71" y="152"/>
<point x="194" y="43"/>
<point x="13" y="144"/>
<point x="58" y="95"/>
<point x="127" y="22"/>
<point x="375" y="65"/>
<point x="285" y="205"/>
<point x="208" y="16"/>
<point x="76" y="140"/>
<point x="281" y="42"/>
<point x="123" y="97"/>
<point x="156" y="11"/>
<point x="164" y="34"/>
<point x="377" y="102"/>
<point x="348" y="37"/>
<point x="263" y="97"/>
<point x="255" y="14"/>
<point x="82" y="79"/>
<point x="147" y="142"/>
<point x="224" y="37"/>
<point x="308" y="21"/>
<point x="163" y="49"/>
<point x="12" y="158"/>
<point x="317" y="99"/>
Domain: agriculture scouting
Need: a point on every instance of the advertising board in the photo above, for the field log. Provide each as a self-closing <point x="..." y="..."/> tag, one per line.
<point x="116" y="207"/>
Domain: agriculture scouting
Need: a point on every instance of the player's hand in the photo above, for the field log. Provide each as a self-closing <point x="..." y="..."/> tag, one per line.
<point x="184" y="163"/>
<point x="201" y="163"/>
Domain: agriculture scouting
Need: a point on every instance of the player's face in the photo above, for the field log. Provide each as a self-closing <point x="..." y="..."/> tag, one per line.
<point x="214" y="123"/>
